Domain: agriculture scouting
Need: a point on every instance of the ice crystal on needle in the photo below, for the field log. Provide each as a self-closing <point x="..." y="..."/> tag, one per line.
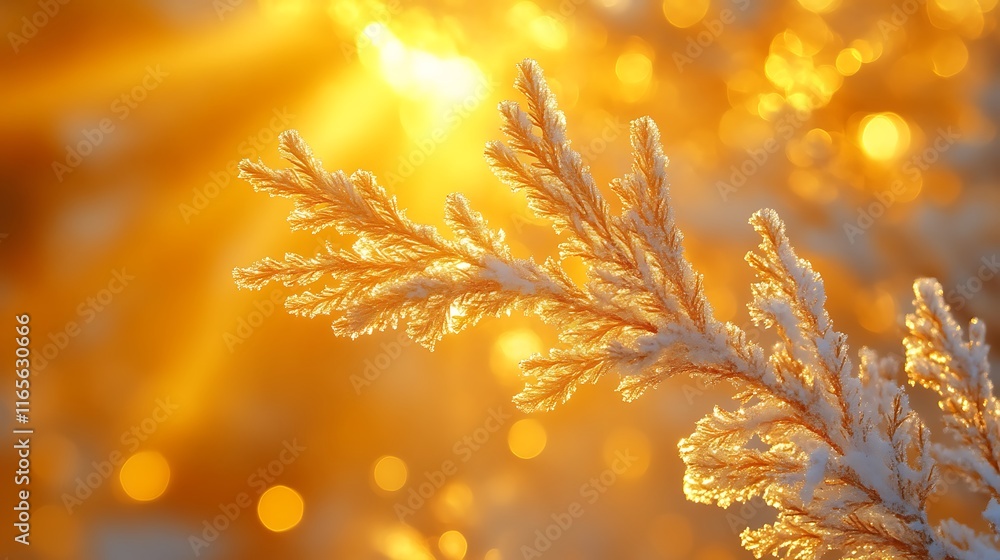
<point x="846" y="463"/>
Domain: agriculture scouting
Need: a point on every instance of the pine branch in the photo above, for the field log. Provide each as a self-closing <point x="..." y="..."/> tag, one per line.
<point x="940" y="359"/>
<point x="847" y="464"/>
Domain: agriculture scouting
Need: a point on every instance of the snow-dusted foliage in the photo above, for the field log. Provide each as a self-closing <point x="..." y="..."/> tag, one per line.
<point x="845" y="461"/>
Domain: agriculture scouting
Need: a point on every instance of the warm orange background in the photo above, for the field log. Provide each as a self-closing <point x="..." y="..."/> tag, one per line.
<point x="851" y="91"/>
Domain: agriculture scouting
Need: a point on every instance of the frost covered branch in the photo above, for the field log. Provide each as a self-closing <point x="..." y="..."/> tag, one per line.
<point x="847" y="464"/>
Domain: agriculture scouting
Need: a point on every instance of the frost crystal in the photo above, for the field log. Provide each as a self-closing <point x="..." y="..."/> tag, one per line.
<point x="846" y="463"/>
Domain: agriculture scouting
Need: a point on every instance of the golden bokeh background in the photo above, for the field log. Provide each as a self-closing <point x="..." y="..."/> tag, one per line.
<point x="177" y="417"/>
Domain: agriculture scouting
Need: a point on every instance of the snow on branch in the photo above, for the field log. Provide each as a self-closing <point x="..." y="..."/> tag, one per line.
<point x="847" y="464"/>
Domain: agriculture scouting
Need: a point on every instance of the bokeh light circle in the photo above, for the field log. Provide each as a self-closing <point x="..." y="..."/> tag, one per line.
<point x="145" y="476"/>
<point x="633" y="67"/>
<point x="684" y="13"/>
<point x="280" y="508"/>
<point x="453" y="545"/>
<point x="526" y="438"/>
<point x="390" y="473"/>
<point x="884" y="136"/>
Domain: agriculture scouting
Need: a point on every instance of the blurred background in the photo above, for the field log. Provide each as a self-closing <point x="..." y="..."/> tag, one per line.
<point x="177" y="417"/>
